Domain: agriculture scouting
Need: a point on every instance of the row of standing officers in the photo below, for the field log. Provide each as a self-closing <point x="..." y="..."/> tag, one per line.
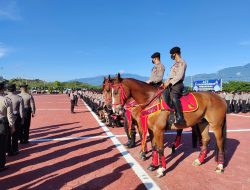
<point x="237" y="101"/>
<point x="16" y="111"/>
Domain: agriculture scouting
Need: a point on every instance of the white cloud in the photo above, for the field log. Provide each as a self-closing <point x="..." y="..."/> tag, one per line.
<point x="245" y="43"/>
<point x="9" y="10"/>
<point x="3" y="50"/>
<point x="121" y="71"/>
<point x="238" y="73"/>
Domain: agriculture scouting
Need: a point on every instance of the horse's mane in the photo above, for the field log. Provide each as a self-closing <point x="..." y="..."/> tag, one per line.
<point x="142" y="84"/>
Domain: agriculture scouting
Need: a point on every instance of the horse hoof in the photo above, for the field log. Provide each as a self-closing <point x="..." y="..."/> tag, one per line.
<point x="197" y="162"/>
<point x="160" y="172"/>
<point x="143" y="158"/>
<point x="152" y="168"/>
<point x="219" y="168"/>
<point x="173" y="149"/>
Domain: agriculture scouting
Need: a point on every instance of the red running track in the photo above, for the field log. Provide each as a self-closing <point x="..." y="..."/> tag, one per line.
<point x="61" y="155"/>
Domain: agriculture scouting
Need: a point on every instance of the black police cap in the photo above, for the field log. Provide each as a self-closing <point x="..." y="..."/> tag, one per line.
<point x="175" y="50"/>
<point x="11" y="87"/>
<point x="24" y="85"/>
<point x="156" y="54"/>
<point x="2" y="85"/>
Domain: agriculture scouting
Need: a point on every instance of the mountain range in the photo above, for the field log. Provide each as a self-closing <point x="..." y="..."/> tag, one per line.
<point x="238" y="73"/>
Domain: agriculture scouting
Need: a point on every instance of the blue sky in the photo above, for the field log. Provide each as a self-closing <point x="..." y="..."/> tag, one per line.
<point x="68" y="39"/>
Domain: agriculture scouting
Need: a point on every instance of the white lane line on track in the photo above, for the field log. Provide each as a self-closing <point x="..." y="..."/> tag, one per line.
<point x="67" y="138"/>
<point x="61" y="109"/>
<point x="53" y="102"/>
<point x="120" y="136"/>
<point x="139" y="171"/>
<point x="190" y="132"/>
<point x="239" y="115"/>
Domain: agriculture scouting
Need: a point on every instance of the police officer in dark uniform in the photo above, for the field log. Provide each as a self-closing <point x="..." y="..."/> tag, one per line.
<point x="175" y="82"/>
<point x="29" y="111"/>
<point x="18" y="111"/>
<point x="236" y="102"/>
<point x="6" y="124"/>
<point x="157" y="71"/>
<point x="72" y="101"/>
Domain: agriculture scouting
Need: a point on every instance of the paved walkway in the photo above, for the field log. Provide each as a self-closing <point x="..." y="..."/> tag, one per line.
<point x="61" y="156"/>
<point x="75" y="151"/>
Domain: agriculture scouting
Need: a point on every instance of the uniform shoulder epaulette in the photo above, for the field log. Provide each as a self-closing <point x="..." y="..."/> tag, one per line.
<point x="8" y="100"/>
<point x="20" y="97"/>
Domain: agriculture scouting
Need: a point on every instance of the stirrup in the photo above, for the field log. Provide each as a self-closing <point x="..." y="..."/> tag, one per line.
<point x="180" y="122"/>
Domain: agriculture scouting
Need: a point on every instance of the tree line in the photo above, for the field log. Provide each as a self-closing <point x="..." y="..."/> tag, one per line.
<point x="233" y="86"/>
<point x="38" y="84"/>
<point x="60" y="86"/>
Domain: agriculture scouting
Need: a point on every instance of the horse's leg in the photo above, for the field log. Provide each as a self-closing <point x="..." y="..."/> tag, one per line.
<point x="204" y="129"/>
<point x="136" y="112"/>
<point x="125" y="125"/>
<point x="132" y="143"/>
<point x="155" y="159"/>
<point x="177" y="141"/>
<point x="144" y="150"/>
<point x="159" y="139"/>
<point x="220" y="135"/>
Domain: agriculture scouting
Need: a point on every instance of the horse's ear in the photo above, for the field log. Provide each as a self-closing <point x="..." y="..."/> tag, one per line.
<point x="119" y="76"/>
<point x="104" y="78"/>
<point x="109" y="78"/>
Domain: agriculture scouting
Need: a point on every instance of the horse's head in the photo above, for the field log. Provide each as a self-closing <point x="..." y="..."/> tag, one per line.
<point x="106" y="91"/>
<point x="119" y="94"/>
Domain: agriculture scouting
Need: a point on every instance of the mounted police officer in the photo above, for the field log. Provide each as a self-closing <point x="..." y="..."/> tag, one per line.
<point x="6" y="124"/>
<point x="29" y="110"/>
<point x="157" y="71"/>
<point x="18" y="111"/>
<point x="175" y="82"/>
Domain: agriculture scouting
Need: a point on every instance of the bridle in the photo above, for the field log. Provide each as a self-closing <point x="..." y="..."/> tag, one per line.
<point x="123" y="95"/>
<point x="106" y="98"/>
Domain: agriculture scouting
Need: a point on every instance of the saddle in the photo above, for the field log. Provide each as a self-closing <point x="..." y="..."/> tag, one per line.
<point x="188" y="103"/>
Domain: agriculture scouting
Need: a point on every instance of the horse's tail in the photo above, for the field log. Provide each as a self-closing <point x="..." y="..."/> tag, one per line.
<point x="224" y="134"/>
<point x="195" y="135"/>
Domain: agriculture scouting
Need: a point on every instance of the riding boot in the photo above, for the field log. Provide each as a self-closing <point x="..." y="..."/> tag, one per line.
<point x="128" y="143"/>
<point x="132" y="142"/>
<point x="165" y="96"/>
<point x="129" y="140"/>
<point x="178" y="110"/>
<point x="125" y="124"/>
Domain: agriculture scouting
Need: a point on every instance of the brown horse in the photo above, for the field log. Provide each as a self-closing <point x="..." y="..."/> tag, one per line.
<point x="211" y="112"/>
<point x="106" y="91"/>
<point x="132" y="110"/>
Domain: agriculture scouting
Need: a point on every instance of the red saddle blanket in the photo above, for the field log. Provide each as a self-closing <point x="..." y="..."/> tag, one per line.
<point x="188" y="102"/>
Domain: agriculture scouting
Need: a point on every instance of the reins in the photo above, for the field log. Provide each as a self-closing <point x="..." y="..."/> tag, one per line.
<point x="123" y="96"/>
<point x="157" y="94"/>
